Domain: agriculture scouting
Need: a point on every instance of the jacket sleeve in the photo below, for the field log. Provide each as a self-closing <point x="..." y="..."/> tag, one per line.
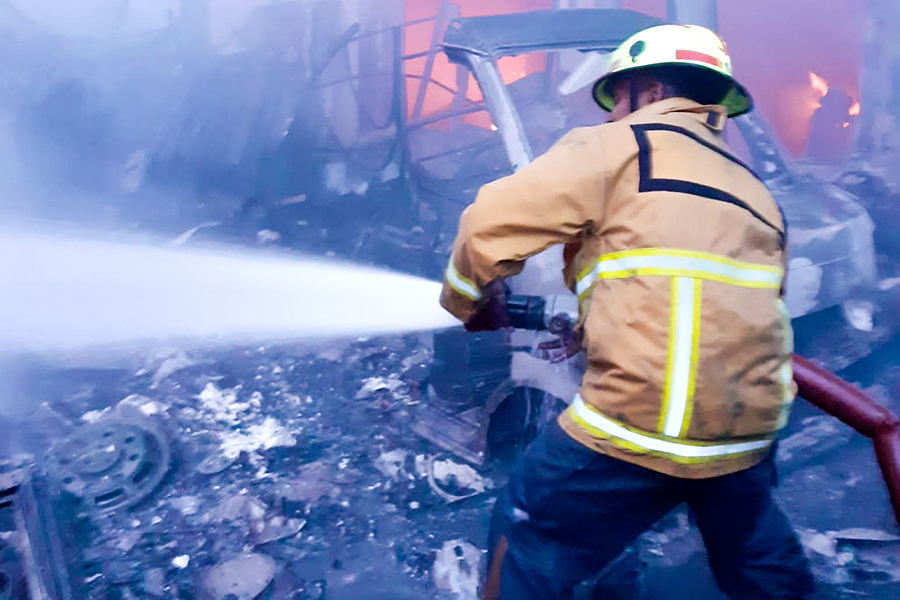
<point x="551" y="201"/>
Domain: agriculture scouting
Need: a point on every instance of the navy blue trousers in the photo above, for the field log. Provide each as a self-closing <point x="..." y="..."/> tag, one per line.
<point x="568" y="511"/>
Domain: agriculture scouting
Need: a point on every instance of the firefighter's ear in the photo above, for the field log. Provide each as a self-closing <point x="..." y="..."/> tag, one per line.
<point x="656" y="92"/>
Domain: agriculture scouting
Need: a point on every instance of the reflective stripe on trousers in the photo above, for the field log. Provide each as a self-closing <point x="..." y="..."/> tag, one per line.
<point x="678" y="450"/>
<point x="687" y="270"/>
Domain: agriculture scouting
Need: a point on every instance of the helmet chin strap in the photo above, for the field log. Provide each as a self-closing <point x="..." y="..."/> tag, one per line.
<point x="633" y="94"/>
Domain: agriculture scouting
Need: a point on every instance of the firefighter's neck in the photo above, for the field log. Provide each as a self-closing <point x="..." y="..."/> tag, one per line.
<point x="632" y="95"/>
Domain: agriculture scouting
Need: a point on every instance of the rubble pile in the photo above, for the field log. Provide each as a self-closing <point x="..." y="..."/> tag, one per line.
<point x="295" y="474"/>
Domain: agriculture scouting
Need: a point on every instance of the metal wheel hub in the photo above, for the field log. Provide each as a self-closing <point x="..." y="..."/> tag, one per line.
<point x="110" y="465"/>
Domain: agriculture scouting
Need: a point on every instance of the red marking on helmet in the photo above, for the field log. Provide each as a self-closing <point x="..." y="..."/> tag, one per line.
<point x="697" y="57"/>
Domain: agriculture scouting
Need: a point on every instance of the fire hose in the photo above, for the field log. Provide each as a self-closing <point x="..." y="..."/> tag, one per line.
<point x="848" y="404"/>
<point x="820" y="388"/>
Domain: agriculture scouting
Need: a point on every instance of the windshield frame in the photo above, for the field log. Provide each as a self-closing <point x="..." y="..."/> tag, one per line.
<point x="478" y="43"/>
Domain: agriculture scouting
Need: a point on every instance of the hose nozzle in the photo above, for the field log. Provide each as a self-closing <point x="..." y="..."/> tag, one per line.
<point x="538" y="313"/>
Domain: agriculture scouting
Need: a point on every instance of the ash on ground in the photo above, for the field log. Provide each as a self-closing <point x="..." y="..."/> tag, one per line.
<point x="296" y="468"/>
<point x="295" y="474"/>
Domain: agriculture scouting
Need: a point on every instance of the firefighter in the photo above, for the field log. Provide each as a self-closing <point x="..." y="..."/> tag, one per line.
<point x="676" y="252"/>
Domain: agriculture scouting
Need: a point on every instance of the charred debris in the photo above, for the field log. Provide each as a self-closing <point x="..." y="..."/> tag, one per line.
<point x="280" y="476"/>
<point x="340" y="471"/>
<point x="301" y="471"/>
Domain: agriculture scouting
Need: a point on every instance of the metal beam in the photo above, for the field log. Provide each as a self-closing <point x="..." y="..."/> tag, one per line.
<point x="563" y="4"/>
<point x="694" y="12"/>
<point x="501" y="107"/>
<point x="880" y="79"/>
<point x="433" y="49"/>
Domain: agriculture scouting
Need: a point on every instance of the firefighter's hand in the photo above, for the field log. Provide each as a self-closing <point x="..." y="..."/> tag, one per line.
<point x="491" y="314"/>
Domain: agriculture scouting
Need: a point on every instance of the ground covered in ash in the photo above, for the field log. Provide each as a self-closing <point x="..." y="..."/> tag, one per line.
<point x="295" y="467"/>
<point x="295" y="474"/>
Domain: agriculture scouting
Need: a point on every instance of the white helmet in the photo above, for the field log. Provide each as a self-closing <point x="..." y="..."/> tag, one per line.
<point x="689" y="46"/>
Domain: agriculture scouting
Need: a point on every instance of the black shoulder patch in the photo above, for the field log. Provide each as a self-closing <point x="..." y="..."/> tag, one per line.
<point x="650" y="184"/>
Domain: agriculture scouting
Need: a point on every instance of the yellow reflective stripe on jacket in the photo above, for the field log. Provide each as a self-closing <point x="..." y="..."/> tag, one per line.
<point x="678" y="263"/>
<point x="677" y="450"/>
<point x="681" y="363"/>
<point x="687" y="269"/>
<point x="461" y="284"/>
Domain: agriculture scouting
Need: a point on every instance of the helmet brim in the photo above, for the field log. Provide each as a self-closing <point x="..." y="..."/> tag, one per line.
<point x="737" y="100"/>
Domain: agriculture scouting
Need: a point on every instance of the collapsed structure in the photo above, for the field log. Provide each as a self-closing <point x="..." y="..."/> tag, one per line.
<point x="306" y="469"/>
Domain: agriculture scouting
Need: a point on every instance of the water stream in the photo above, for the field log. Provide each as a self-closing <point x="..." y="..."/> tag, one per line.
<point x="67" y="291"/>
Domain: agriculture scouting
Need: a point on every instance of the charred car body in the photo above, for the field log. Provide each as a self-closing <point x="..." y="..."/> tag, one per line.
<point x="521" y="83"/>
<point x="832" y="271"/>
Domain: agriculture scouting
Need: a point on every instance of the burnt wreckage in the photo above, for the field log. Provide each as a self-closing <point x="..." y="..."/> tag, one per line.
<point x="329" y="473"/>
<point x="299" y="470"/>
<point x="271" y="473"/>
<point x="50" y="508"/>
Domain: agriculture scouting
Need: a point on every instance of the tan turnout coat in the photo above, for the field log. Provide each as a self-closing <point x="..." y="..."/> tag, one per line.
<point x="676" y="251"/>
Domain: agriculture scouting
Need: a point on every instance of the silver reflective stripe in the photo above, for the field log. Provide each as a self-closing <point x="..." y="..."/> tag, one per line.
<point x="679" y="375"/>
<point x="786" y="372"/>
<point x="461" y="284"/>
<point x="652" y="444"/>
<point x="680" y="264"/>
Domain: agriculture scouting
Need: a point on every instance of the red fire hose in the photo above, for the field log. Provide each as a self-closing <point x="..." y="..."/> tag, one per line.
<point x="845" y="402"/>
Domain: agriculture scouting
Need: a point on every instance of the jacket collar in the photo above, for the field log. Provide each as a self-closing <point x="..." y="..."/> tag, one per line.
<point x="713" y="116"/>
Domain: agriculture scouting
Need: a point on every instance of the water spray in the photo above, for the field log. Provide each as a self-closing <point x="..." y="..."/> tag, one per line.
<point x="68" y="291"/>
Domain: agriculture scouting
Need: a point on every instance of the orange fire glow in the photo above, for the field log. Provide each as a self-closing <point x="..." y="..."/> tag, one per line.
<point x="818" y="84"/>
<point x="819" y="87"/>
<point x="418" y="39"/>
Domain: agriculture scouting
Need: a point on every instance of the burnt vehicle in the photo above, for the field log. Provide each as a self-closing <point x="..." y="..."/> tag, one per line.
<point x="532" y="71"/>
<point x="38" y="545"/>
<point x="255" y="137"/>
<point x="836" y="296"/>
